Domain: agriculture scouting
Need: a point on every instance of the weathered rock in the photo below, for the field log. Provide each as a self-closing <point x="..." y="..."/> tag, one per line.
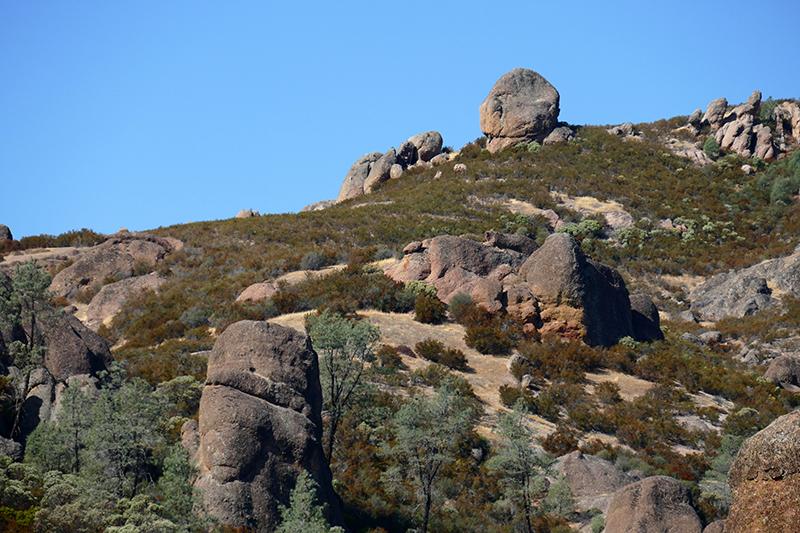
<point x="657" y="504"/>
<point x="318" y="206"/>
<point x="787" y="122"/>
<point x="689" y="151"/>
<point x="260" y="426"/>
<point x="5" y="233"/>
<point x="623" y="130"/>
<point x="74" y="349"/>
<point x="459" y="167"/>
<point x="696" y="117"/>
<point x="765" y="480"/>
<point x="644" y="319"/>
<point x="715" y="527"/>
<point x="380" y="170"/>
<point x="765" y="148"/>
<point x="691" y="337"/>
<point x="747" y="169"/>
<point x="396" y="171"/>
<point x="519" y="243"/>
<point x="593" y="481"/>
<point x="111" y="297"/>
<point x="731" y="294"/>
<point x="407" y="154"/>
<point x="710" y="337"/>
<point x="118" y="257"/>
<point x="715" y="113"/>
<point x="247" y="213"/>
<point x="560" y="276"/>
<point x="38" y="405"/>
<point x="784" y="371"/>
<point x="353" y="184"/>
<point x="11" y="448"/>
<point x="428" y="144"/>
<point x="257" y="292"/>
<point x="521" y="107"/>
<point x="559" y="135"/>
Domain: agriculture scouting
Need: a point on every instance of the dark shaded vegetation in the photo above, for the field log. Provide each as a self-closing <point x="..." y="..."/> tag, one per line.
<point x="83" y="237"/>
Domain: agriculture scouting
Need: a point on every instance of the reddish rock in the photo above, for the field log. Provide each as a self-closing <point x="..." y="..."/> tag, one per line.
<point x="765" y="480"/>
<point x="657" y="504"/>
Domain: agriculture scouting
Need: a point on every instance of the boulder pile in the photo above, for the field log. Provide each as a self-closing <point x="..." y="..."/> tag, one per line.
<point x="371" y="169"/>
<point x="657" y="504"/>
<point x="555" y="288"/>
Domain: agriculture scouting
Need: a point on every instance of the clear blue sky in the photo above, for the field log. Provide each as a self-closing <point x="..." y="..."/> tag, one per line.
<point x="151" y="113"/>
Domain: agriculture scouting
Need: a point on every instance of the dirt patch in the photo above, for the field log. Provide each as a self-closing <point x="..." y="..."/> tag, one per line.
<point x="686" y="283"/>
<point x="630" y="387"/>
<point x="47" y="257"/>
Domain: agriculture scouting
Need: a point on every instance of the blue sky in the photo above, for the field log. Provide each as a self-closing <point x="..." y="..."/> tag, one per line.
<point x="145" y="114"/>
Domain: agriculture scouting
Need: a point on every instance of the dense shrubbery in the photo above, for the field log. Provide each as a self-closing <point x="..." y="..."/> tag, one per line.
<point x="436" y="352"/>
<point x="83" y="237"/>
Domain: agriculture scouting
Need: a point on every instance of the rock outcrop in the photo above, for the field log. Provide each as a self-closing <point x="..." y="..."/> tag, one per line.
<point x="118" y="257"/>
<point x="521" y="107"/>
<point x="657" y="504"/>
<point x="577" y="295"/>
<point x="247" y="213"/>
<point x="784" y="371"/>
<point x="375" y="168"/>
<point x="644" y="319"/>
<point x="260" y="426"/>
<point x="740" y="130"/>
<point x="257" y="292"/>
<point x="765" y="480"/>
<point x="111" y="297"/>
<point x="593" y="481"/>
<point x="555" y="287"/>
<point x="5" y="233"/>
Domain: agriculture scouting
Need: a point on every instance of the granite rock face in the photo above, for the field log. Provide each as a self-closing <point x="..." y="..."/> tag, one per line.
<point x="521" y="107"/>
<point x="260" y="426"/>
<point x="657" y="504"/>
<point x="765" y="479"/>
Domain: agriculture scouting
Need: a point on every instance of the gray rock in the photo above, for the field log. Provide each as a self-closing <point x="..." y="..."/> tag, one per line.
<point x="247" y="213"/>
<point x="515" y="359"/>
<point x="439" y="159"/>
<point x="519" y="243"/>
<point x="734" y="294"/>
<point x="74" y="349"/>
<point x="260" y="426"/>
<point x="717" y="526"/>
<point x="318" y="206"/>
<point x="687" y="316"/>
<point x="521" y="107"/>
<point x="593" y="481"/>
<point x="715" y="113"/>
<point x="380" y="170"/>
<point x="765" y="147"/>
<point x="407" y="154"/>
<point x="747" y="169"/>
<point x="623" y="130"/>
<point x="5" y="233"/>
<point x="559" y="135"/>
<point x="657" y="504"/>
<point x="784" y="371"/>
<point x="396" y="171"/>
<point x="696" y="117"/>
<point x="353" y="184"/>
<point x="428" y="144"/>
<point x="691" y="337"/>
<point x="11" y="448"/>
<point x="709" y="337"/>
<point x="644" y="319"/>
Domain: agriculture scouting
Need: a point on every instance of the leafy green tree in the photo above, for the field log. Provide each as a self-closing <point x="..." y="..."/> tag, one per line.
<point x="26" y="311"/>
<point x="521" y="463"/>
<point x="304" y="515"/>
<point x="344" y="347"/>
<point x="427" y="433"/>
<point x="560" y="500"/>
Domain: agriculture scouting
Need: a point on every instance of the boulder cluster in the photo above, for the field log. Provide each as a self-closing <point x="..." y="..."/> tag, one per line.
<point x="740" y="129"/>
<point x="259" y="426"/>
<point x="371" y="169"/>
<point x="554" y="288"/>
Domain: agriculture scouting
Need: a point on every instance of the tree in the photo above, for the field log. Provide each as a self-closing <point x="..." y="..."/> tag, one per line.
<point x="26" y="312"/>
<point x="344" y="347"/>
<point x="303" y="514"/>
<point x="427" y="433"/>
<point x="521" y="463"/>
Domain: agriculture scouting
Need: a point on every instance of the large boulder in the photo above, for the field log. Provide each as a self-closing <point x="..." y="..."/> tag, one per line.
<point x="645" y="319"/>
<point x="74" y="349"/>
<point x="736" y="294"/>
<point x="111" y="297"/>
<point x="379" y="171"/>
<point x="577" y="292"/>
<point x="715" y="113"/>
<point x="657" y="504"/>
<point x="353" y="184"/>
<point x="593" y="481"/>
<point x="765" y="480"/>
<point x="257" y="292"/>
<point x="5" y="233"/>
<point x="428" y="144"/>
<point x="741" y="132"/>
<point x="784" y="371"/>
<point x="260" y="426"/>
<point x="120" y="256"/>
<point x="521" y="107"/>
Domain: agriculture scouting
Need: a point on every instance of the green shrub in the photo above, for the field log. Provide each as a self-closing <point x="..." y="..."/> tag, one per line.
<point x="711" y="147"/>
<point x="389" y="357"/>
<point x="429" y="309"/>
<point x="436" y="352"/>
<point x="488" y="340"/>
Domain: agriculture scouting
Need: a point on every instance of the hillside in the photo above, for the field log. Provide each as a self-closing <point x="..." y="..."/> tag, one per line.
<point x="664" y="222"/>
